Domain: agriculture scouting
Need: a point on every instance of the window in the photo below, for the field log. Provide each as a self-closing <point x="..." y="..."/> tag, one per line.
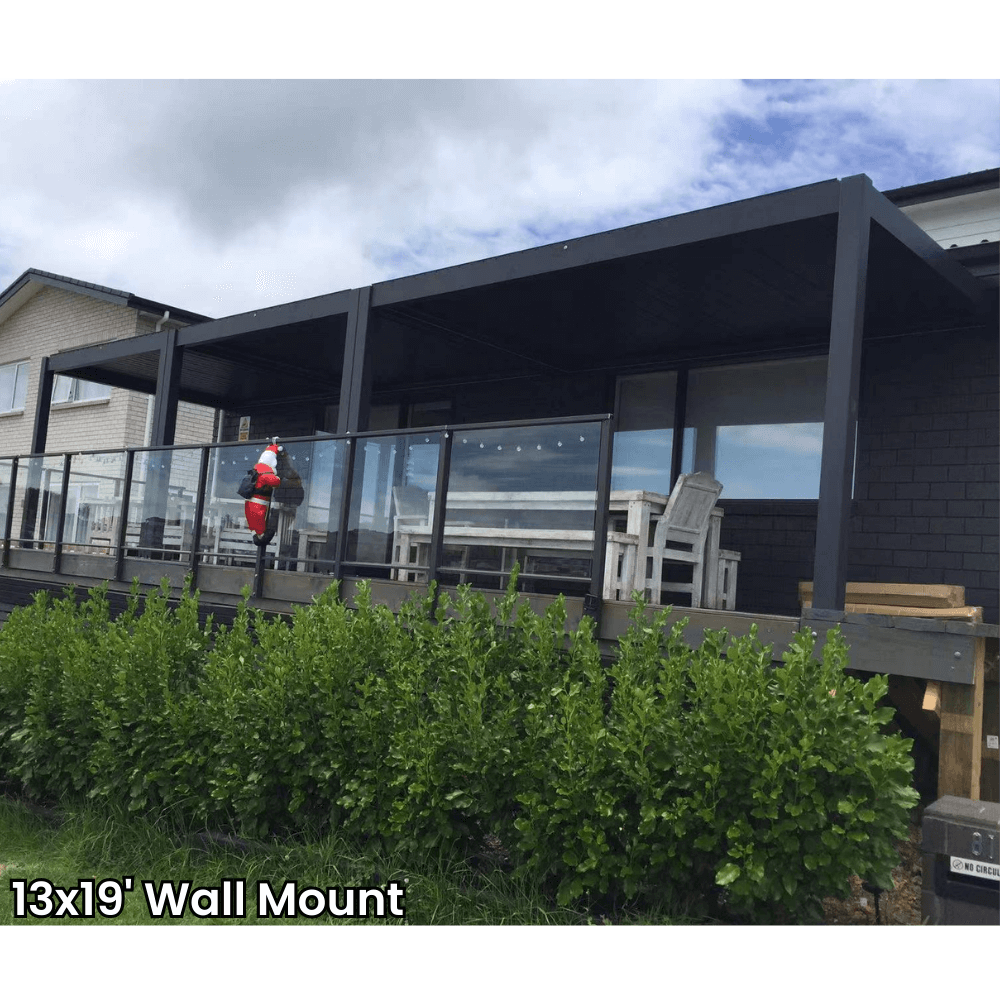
<point x="758" y="428"/>
<point x="13" y="386"/>
<point x="644" y="440"/>
<point x="77" y="390"/>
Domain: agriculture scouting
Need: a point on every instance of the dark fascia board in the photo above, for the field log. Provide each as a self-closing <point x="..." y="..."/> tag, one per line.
<point x="113" y="350"/>
<point x="948" y="187"/>
<point x="320" y="307"/>
<point x="904" y="229"/>
<point x="793" y="205"/>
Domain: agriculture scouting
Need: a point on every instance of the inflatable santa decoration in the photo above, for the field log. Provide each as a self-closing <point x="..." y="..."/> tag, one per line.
<point x="258" y="506"/>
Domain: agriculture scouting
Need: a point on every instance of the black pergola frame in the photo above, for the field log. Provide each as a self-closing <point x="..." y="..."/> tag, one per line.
<point x="854" y="202"/>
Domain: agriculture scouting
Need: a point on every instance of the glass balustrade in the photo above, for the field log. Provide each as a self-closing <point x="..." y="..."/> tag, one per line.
<point x="38" y="501"/>
<point x="527" y="494"/>
<point x="162" y="500"/>
<point x="6" y="478"/>
<point x="389" y="513"/>
<point x="92" y="514"/>
<point x="304" y="511"/>
<point x="524" y="493"/>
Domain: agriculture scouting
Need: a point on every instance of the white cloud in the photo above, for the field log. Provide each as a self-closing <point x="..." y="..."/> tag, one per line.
<point x="802" y="438"/>
<point x="222" y="196"/>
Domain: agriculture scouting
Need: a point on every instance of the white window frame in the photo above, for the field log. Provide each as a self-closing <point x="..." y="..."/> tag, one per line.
<point x="77" y="390"/>
<point x="15" y="403"/>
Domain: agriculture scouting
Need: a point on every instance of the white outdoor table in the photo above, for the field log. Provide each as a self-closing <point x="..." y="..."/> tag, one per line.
<point x="641" y="507"/>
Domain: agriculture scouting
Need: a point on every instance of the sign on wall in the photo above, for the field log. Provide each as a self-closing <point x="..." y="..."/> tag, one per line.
<point x="244" y="429"/>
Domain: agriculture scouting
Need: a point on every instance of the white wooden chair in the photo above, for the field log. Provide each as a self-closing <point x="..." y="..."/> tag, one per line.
<point x="410" y="508"/>
<point x="680" y="536"/>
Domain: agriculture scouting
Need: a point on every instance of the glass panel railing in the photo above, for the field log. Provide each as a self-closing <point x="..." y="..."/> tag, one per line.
<point x="38" y="501"/>
<point x="512" y="493"/>
<point x="390" y="514"/>
<point x="6" y="474"/>
<point x="92" y="514"/>
<point x="162" y="503"/>
<point x="304" y="511"/>
<point x="527" y="494"/>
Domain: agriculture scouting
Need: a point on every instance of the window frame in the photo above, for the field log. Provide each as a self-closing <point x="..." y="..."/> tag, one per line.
<point x="682" y="458"/>
<point x="21" y="374"/>
<point x="73" y="396"/>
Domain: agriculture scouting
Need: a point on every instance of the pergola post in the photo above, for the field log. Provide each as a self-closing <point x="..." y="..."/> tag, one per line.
<point x="43" y="404"/>
<point x="842" y="387"/>
<point x="168" y="380"/>
<point x="356" y="380"/>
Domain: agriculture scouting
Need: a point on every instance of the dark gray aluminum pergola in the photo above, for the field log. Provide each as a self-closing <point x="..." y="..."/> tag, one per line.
<point x="808" y="270"/>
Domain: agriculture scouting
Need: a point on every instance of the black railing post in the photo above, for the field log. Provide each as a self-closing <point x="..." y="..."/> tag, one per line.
<point x="61" y="520"/>
<point x="123" y="517"/>
<point x="199" y="513"/>
<point x="9" y="521"/>
<point x="440" y="500"/>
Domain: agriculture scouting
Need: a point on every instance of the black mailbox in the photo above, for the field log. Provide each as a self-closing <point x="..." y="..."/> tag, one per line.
<point x="960" y="841"/>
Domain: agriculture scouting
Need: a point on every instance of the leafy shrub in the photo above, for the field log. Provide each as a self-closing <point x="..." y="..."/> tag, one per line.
<point x="670" y="771"/>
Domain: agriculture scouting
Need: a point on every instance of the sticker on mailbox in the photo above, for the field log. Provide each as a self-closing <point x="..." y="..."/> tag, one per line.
<point x="981" y="869"/>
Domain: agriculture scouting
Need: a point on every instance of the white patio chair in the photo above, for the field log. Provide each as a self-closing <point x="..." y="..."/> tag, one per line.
<point x="411" y="509"/>
<point x="680" y="537"/>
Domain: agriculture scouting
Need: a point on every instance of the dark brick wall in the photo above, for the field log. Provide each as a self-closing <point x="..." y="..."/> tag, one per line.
<point x="926" y="485"/>
<point x="776" y="540"/>
<point x="927" y="501"/>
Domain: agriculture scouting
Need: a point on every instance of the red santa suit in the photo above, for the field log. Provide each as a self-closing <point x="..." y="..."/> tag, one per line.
<point x="256" y="508"/>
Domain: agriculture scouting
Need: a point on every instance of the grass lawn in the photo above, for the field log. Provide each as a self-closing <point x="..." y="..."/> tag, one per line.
<point x="88" y="845"/>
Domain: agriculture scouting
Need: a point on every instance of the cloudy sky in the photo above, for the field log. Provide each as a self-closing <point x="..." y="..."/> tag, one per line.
<point x="221" y="196"/>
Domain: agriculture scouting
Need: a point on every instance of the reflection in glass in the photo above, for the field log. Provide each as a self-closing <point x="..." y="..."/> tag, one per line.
<point x="390" y="504"/>
<point x="305" y="509"/>
<point x="38" y="501"/>
<point x="93" y="503"/>
<point x="162" y="503"/>
<point x="6" y="472"/>
<point x="759" y="428"/>
<point x="527" y="494"/>
<point x="643" y="446"/>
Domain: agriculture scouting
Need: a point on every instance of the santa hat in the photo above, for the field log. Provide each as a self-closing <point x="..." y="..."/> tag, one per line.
<point x="269" y="456"/>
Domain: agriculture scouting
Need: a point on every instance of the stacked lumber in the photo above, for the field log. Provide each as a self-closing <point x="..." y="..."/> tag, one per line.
<point x="908" y="600"/>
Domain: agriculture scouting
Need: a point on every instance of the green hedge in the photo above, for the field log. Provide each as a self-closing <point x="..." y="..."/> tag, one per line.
<point x="677" y="771"/>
